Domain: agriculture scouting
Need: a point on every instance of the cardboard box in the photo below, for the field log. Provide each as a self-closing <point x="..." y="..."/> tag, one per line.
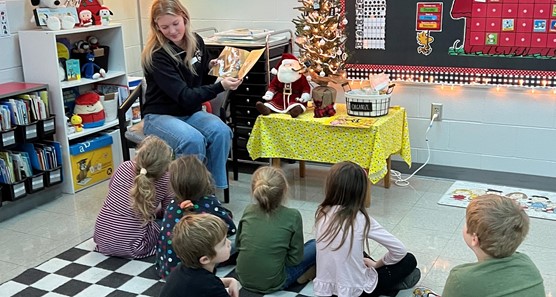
<point x="91" y="161"/>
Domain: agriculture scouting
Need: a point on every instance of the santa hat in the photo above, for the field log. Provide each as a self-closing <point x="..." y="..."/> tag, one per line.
<point x="287" y="57"/>
<point x="88" y="98"/>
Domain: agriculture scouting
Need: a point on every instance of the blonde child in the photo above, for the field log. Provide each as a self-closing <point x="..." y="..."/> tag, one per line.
<point x="342" y="229"/>
<point x="269" y="241"/>
<point x="494" y="227"/>
<point x="200" y="243"/>
<point x="126" y="225"/>
<point x="194" y="192"/>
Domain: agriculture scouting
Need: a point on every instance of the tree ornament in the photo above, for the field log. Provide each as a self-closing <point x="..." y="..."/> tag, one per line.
<point x="344" y="22"/>
<point x="322" y="74"/>
<point x="322" y="42"/>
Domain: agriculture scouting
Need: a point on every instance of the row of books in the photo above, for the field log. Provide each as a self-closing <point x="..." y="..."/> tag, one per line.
<point x="24" y="109"/>
<point x="17" y="165"/>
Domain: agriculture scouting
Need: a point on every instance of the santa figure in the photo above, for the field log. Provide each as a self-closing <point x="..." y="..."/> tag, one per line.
<point x="289" y="91"/>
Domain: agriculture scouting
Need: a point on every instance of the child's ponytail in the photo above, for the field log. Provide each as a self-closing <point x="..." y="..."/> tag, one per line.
<point x="269" y="187"/>
<point x="151" y="163"/>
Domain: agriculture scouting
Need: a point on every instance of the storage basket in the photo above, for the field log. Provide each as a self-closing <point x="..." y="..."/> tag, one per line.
<point x="363" y="105"/>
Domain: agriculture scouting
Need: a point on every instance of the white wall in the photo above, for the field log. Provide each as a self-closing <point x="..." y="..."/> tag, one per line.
<point x="510" y="130"/>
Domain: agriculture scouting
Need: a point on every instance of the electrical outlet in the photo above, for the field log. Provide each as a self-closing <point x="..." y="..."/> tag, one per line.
<point x="436" y="108"/>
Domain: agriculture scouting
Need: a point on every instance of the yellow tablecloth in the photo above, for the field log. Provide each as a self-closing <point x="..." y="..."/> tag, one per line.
<point x="308" y="138"/>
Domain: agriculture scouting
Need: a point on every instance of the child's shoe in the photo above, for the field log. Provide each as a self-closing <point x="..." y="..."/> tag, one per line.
<point x="310" y="274"/>
<point x="410" y="281"/>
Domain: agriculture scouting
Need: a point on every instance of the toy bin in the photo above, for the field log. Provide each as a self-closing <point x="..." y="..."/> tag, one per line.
<point x="47" y="127"/>
<point x="7" y="138"/>
<point x="15" y="191"/>
<point x="27" y="133"/>
<point x="101" y="57"/>
<point x="91" y="161"/>
<point x="35" y="183"/>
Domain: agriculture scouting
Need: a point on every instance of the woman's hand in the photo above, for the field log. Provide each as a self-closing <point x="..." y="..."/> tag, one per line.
<point x="230" y="83"/>
<point x="369" y="263"/>
<point x="213" y="63"/>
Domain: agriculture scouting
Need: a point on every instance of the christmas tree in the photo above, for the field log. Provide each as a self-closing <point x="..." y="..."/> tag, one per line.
<point x="320" y="31"/>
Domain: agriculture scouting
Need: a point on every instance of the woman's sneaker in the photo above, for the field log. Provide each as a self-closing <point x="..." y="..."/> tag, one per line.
<point x="410" y="281"/>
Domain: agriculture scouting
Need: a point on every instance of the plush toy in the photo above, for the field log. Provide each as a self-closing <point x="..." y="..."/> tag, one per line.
<point x="88" y="69"/>
<point x="89" y="108"/>
<point x="94" y="6"/>
<point x="77" y="122"/>
<point x="104" y="13"/>
<point x="289" y="91"/>
<point x="85" y="18"/>
<point x="52" y="22"/>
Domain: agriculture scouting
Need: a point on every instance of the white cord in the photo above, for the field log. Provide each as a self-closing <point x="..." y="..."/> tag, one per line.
<point x="404" y="182"/>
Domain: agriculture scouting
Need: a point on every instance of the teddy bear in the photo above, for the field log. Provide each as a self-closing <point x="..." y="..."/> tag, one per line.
<point x="77" y="122"/>
<point x="289" y="91"/>
<point x="89" y="108"/>
<point x="53" y="23"/>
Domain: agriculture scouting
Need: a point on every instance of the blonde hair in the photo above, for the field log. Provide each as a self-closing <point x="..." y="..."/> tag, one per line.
<point x="346" y="187"/>
<point x="195" y="236"/>
<point x="190" y="179"/>
<point x="269" y="187"/>
<point x="499" y="222"/>
<point x="151" y="163"/>
<point x="156" y="40"/>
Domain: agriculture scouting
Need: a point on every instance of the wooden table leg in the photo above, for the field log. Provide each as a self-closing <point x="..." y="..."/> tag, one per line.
<point x="301" y="168"/>
<point x="387" y="176"/>
<point x="276" y="162"/>
<point x="368" y="198"/>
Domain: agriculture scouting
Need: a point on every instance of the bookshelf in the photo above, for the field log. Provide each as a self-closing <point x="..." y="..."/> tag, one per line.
<point x="39" y="57"/>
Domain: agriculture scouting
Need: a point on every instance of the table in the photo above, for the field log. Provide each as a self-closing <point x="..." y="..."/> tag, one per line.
<point x="309" y="139"/>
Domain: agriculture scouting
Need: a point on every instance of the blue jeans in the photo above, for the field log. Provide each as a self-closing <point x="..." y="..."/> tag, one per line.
<point x="309" y="260"/>
<point x="202" y="134"/>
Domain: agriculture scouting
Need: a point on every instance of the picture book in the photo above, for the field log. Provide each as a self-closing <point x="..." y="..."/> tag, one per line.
<point x="73" y="69"/>
<point x="349" y="121"/>
<point x="235" y="62"/>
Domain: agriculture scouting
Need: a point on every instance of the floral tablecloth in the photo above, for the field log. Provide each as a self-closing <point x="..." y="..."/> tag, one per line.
<point x="311" y="139"/>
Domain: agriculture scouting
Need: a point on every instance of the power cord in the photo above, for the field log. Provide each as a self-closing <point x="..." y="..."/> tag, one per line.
<point x="404" y="182"/>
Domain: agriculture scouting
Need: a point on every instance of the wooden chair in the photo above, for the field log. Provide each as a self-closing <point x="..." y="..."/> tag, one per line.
<point x="131" y="136"/>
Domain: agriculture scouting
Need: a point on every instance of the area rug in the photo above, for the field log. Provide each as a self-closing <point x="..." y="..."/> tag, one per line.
<point x="81" y="272"/>
<point x="537" y="204"/>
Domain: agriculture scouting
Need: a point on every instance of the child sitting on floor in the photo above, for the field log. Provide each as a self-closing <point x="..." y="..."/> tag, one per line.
<point x="494" y="227"/>
<point x="343" y="227"/>
<point x="194" y="192"/>
<point x="200" y="243"/>
<point x="126" y="225"/>
<point x="271" y="253"/>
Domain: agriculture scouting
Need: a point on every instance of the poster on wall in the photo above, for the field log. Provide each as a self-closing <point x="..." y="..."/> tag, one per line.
<point x="4" y="24"/>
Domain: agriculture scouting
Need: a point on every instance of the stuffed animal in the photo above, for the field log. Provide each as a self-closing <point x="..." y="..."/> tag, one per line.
<point x="52" y="22"/>
<point x="85" y="18"/>
<point x="94" y="6"/>
<point x="289" y="91"/>
<point x="88" y="69"/>
<point x="77" y="122"/>
<point x="89" y="108"/>
<point x="104" y="13"/>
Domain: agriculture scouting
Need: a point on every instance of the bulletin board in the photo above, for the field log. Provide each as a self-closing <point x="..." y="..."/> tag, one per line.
<point x="499" y="42"/>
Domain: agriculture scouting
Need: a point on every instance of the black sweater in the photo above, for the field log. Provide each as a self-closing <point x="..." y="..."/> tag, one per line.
<point x="172" y="89"/>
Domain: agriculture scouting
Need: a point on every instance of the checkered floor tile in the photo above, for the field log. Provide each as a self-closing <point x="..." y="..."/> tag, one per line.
<point x="81" y="272"/>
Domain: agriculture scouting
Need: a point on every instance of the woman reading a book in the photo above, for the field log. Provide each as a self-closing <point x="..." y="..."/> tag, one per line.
<point x="176" y="65"/>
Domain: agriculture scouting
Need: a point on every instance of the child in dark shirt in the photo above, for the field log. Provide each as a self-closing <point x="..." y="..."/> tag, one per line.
<point x="193" y="186"/>
<point x="200" y="242"/>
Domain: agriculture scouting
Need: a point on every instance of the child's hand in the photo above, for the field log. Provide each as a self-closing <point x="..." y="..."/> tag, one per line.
<point x="213" y="63"/>
<point x="232" y="285"/>
<point x="369" y="263"/>
<point x="186" y="204"/>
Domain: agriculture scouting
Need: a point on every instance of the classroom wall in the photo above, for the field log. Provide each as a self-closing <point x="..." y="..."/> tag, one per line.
<point x="509" y="130"/>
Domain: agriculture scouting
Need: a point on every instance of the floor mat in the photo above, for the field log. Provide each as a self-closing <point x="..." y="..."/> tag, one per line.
<point x="537" y="204"/>
<point x="81" y="272"/>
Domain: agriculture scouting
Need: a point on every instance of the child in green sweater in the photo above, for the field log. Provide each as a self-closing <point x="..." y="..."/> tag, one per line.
<point x="495" y="227"/>
<point x="269" y="238"/>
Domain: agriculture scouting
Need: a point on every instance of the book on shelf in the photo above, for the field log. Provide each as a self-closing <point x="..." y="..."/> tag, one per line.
<point x="73" y="69"/>
<point x="235" y="62"/>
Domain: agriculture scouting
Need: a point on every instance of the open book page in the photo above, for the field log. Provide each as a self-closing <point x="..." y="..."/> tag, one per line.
<point x="349" y="121"/>
<point x="235" y="62"/>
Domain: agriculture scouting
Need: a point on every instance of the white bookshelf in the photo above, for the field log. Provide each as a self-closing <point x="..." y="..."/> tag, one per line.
<point x="40" y="65"/>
